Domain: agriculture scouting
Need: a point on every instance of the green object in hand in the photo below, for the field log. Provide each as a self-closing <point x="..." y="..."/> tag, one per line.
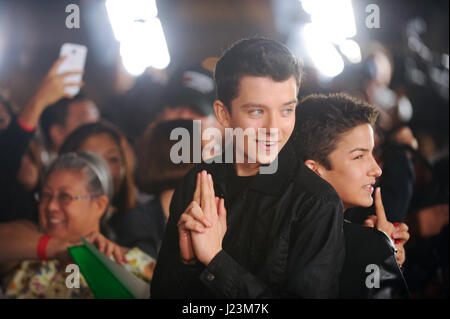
<point x="101" y="281"/>
<point x="105" y="277"/>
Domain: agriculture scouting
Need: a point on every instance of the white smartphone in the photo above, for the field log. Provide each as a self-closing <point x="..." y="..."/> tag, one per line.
<point x="75" y="61"/>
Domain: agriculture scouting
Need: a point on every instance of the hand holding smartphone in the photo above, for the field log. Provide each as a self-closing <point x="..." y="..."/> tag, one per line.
<point x="75" y="60"/>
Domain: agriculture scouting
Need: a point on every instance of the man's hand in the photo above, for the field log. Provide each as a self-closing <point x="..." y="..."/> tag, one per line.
<point x="202" y="226"/>
<point x="398" y="232"/>
<point x="382" y="223"/>
<point x="191" y="219"/>
<point x="207" y="244"/>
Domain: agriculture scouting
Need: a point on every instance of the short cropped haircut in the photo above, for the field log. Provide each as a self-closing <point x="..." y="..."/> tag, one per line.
<point x="322" y="119"/>
<point x="253" y="57"/>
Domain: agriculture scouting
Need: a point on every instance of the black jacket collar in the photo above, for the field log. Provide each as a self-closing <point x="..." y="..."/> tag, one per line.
<point x="270" y="184"/>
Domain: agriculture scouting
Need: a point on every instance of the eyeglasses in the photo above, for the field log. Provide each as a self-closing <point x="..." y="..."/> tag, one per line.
<point x="63" y="199"/>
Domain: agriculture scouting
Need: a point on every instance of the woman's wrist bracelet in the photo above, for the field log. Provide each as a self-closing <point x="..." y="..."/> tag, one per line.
<point x="42" y="247"/>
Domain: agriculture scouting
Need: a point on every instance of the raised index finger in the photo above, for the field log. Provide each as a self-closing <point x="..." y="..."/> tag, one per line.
<point x="205" y="194"/>
<point x="198" y="190"/>
<point x="379" y="207"/>
<point x="212" y="202"/>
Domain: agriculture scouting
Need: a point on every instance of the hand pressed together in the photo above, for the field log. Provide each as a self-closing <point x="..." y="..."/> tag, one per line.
<point x="203" y="225"/>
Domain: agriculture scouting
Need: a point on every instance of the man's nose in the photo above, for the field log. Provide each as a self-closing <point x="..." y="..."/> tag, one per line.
<point x="272" y="126"/>
<point x="375" y="169"/>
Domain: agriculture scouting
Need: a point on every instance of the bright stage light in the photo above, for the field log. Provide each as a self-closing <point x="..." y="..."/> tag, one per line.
<point x="351" y="50"/>
<point x="136" y="26"/>
<point x="332" y="23"/>
<point x="334" y="17"/>
<point x="324" y="55"/>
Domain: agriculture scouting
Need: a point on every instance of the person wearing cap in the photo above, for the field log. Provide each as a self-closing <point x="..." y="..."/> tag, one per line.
<point x="267" y="227"/>
<point x="76" y="193"/>
<point x="190" y="95"/>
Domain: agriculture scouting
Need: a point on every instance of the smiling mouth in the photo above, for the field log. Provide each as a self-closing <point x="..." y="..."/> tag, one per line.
<point x="52" y="221"/>
<point x="267" y="145"/>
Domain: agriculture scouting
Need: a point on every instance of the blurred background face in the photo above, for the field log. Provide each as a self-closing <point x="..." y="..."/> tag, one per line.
<point x="5" y="118"/>
<point x="383" y="69"/>
<point x="68" y="220"/>
<point x="104" y="145"/>
<point x="264" y="103"/>
<point x="353" y="168"/>
<point x="81" y="112"/>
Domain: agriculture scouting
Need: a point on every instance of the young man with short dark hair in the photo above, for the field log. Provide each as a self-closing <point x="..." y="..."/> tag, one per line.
<point x="263" y="235"/>
<point x="334" y="136"/>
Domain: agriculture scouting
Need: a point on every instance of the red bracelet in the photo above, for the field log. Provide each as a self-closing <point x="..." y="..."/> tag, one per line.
<point x="24" y="126"/>
<point x="42" y="247"/>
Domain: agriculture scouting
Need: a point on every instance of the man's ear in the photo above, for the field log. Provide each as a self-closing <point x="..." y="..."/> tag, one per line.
<point x="222" y="113"/>
<point x="57" y="135"/>
<point x="101" y="204"/>
<point x="315" y="167"/>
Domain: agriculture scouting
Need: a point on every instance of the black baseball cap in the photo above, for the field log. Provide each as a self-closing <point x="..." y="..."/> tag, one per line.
<point x="194" y="87"/>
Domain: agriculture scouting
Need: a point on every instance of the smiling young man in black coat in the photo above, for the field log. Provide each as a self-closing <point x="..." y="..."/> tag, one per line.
<point x="264" y="227"/>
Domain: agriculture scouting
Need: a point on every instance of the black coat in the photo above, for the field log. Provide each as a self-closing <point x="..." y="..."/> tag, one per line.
<point x="15" y="202"/>
<point x="369" y="253"/>
<point x="142" y="227"/>
<point x="284" y="238"/>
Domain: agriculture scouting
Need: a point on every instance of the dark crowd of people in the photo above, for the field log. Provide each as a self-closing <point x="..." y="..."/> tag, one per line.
<point x="357" y="206"/>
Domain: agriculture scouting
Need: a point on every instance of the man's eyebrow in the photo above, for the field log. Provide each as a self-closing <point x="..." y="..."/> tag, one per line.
<point x="291" y="102"/>
<point x="247" y="105"/>
<point x="359" y="149"/>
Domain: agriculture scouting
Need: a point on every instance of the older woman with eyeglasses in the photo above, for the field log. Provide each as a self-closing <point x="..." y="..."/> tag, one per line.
<point x="76" y="193"/>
